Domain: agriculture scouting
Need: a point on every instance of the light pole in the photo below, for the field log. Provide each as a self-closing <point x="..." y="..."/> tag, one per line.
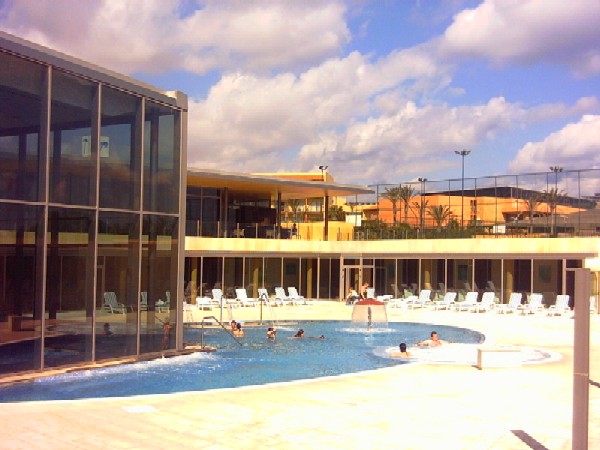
<point x="462" y="154"/>
<point x="323" y="169"/>
<point x="422" y="218"/>
<point x="556" y="170"/>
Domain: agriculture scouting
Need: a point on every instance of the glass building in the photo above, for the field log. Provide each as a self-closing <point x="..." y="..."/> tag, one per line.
<point x="92" y="187"/>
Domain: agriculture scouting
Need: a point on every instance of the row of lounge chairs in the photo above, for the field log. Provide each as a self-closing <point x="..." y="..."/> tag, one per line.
<point x="488" y="302"/>
<point x="242" y="299"/>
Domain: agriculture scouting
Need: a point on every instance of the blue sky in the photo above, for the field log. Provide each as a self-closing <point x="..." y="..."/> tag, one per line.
<point x="380" y="91"/>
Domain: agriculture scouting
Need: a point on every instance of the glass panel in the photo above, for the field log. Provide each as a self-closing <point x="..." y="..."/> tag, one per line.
<point x="408" y="275"/>
<point x="162" y="148"/>
<point x="233" y="276"/>
<point x="119" y="150"/>
<point x="69" y="287"/>
<point x="20" y="313"/>
<point x="272" y="274"/>
<point x="211" y="273"/>
<point x="118" y="262"/>
<point x="72" y="165"/>
<point x="254" y="276"/>
<point x="291" y="272"/>
<point x="159" y="280"/>
<point x="21" y="84"/>
<point x="309" y="276"/>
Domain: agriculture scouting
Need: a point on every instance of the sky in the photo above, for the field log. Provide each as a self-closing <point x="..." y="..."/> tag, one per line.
<point x="381" y="91"/>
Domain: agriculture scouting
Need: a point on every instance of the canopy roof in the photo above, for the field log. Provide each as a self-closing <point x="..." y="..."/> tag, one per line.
<point x="271" y="185"/>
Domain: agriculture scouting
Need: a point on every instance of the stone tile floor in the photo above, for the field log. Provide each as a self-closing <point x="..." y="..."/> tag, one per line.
<point x="411" y="407"/>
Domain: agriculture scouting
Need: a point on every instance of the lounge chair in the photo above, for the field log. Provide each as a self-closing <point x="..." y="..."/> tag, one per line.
<point x="468" y="303"/>
<point x="561" y="305"/>
<point x="221" y="300"/>
<point x="112" y="305"/>
<point x="371" y="293"/>
<point x="204" y="303"/>
<point x="144" y="301"/>
<point x="242" y="296"/>
<point x="423" y="299"/>
<point x="263" y="294"/>
<point x="445" y="303"/>
<point x="534" y="304"/>
<point x="488" y="300"/>
<point x="513" y="305"/>
<point x="294" y="297"/>
<point x="281" y="297"/>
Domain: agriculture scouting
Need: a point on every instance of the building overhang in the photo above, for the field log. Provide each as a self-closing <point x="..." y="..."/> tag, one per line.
<point x="272" y="186"/>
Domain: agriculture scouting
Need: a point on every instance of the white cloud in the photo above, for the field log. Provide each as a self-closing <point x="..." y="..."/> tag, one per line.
<point x="152" y="35"/>
<point x="575" y="146"/>
<point x="529" y="31"/>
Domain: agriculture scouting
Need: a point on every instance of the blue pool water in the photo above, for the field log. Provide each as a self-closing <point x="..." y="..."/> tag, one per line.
<point x="345" y="349"/>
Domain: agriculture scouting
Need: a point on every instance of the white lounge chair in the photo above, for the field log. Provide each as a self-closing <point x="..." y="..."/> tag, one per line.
<point x="112" y="305"/>
<point x="294" y="297"/>
<point x="488" y="300"/>
<point x="534" y="304"/>
<point x="242" y="296"/>
<point x="204" y="303"/>
<point x="263" y="294"/>
<point x="445" y="303"/>
<point x="560" y="307"/>
<point x="422" y="300"/>
<point x="513" y="305"/>
<point x="144" y="301"/>
<point x="221" y="300"/>
<point x="281" y="297"/>
<point x="468" y="303"/>
<point x="371" y="293"/>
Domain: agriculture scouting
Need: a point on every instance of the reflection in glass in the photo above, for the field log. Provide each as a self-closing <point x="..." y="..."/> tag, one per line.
<point x="72" y="164"/>
<point x="69" y="287"/>
<point x="119" y="150"/>
<point x="118" y="262"/>
<point x="20" y="93"/>
<point x="161" y="158"/>
<point x="159" y="280"/>
<point x="20" y="300"/>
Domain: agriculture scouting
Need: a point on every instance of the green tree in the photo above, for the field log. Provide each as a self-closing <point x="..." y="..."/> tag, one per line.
<point x="531" y="204"/>
<point x="336" y="213"/>
<point x="407" y="192"/>
<point x="393" y="195"/>
<point x="439" y="214"/>
<point x="552" y="196"/>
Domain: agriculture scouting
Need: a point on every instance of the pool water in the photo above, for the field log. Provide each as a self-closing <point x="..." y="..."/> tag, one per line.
<point x="346" y="348"/>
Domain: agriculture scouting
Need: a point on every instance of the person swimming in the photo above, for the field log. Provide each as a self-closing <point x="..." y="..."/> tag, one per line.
<point x="402" y="353"/>
<point x="433" y="341"/>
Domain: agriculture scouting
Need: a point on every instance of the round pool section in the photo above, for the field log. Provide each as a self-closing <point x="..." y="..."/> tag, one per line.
<point x="345" y="348"/>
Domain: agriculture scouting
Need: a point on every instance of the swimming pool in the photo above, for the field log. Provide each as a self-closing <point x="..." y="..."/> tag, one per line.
<point x="346" y="348"/>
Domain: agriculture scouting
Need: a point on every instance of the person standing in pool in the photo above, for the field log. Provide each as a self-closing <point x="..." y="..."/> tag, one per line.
<point x="166" y="334"/>
<point x="271" y="333"/>
<point x="402" y="353"/>
<point x="433" y="341"/>
<point x="299" y="334"/>
<point x="238" y="330"/>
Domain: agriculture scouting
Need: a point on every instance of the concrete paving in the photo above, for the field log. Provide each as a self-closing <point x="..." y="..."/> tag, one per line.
<point x="417" y="406"/>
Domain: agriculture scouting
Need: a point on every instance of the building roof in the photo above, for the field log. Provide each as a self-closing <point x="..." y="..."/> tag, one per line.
<point x="78" y="66"/>
<point x="271" y="185"/>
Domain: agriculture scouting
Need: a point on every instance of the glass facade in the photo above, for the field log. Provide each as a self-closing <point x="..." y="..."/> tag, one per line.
<point x="90" y="195"/>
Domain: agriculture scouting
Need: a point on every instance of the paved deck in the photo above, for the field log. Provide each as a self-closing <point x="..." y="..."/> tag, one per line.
<point x="408" y="407"/>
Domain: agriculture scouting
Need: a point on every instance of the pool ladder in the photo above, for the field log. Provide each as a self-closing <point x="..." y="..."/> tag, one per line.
<point x="221" y="325"/>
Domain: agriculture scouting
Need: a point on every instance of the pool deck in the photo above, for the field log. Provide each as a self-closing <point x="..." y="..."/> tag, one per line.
<point x="409" y="407"/>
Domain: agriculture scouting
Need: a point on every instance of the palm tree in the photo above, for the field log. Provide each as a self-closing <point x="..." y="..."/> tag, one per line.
<point x="294" y="204"/>
<point x="406" y="194"/>
<point x="420" y="207"/>
<point x="531" y="204"/>
<point x="439" y="214"/>
<point x="393" y="195"/>
<point x="551" y="197"/>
